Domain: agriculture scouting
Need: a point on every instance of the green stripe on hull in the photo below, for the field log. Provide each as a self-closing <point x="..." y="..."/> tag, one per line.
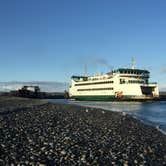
<point x="110" y="98"/>
<point x="94" y="98"/>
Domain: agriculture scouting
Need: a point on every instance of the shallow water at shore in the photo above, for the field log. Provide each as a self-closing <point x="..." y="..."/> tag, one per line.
<point x="153" y="113"/>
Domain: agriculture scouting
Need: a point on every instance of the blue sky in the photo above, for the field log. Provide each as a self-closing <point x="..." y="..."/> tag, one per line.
<point x="50" y="40"/>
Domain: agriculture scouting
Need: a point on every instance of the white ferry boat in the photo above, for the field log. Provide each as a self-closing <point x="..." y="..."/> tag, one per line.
<point x="120" y="84"/>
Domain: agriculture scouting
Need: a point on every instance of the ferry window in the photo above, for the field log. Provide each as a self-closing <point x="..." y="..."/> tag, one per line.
<point x="94" y="83"/>
<point x="122" y="81"/>
<point x="95" y="89"/>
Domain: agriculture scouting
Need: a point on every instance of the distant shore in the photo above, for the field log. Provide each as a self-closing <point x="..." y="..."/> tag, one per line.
<point x="34" y="132"/>
<point x="65" y="95"/>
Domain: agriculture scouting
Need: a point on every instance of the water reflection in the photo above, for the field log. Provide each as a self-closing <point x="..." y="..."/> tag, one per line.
<point x="112" y="106"/>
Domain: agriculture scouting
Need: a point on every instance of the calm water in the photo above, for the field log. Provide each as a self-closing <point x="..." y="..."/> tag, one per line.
<point x="153" y="113"/>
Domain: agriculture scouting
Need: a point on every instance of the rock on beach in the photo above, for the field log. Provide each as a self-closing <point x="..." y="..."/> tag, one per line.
<point x="35" y="132"/>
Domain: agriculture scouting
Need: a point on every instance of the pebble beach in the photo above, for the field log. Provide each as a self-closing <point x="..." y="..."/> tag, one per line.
<point x="36" y="132"/>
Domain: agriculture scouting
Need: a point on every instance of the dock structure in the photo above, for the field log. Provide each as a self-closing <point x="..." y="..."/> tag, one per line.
<point x="30" y="91"/>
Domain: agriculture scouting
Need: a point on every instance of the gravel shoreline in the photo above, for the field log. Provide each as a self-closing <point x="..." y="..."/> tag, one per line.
<point x="34" y="132"/>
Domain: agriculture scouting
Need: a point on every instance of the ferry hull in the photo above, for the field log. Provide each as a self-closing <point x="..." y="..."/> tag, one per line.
<point x="94" y="98"/>
<point x="113" y="98"/>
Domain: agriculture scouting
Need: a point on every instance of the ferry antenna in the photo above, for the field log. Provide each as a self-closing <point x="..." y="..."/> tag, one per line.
<point x="133" y="63"/>
<point x="85" y="70"/>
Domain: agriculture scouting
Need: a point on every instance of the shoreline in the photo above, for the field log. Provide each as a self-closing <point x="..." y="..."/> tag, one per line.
<point x="37" y="132"/>
<point x="144" y="121"/>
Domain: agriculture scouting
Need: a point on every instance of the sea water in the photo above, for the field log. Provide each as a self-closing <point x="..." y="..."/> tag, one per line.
<point x="152" y="113"/>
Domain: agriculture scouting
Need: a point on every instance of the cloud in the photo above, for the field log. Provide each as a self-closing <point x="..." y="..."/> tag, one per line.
<point x="44" y="86"/>
<point x="162" y="68"/>
<point x="162" y="87"/>
<point x="163" y="71"/>
<point x="102" y="61"/>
